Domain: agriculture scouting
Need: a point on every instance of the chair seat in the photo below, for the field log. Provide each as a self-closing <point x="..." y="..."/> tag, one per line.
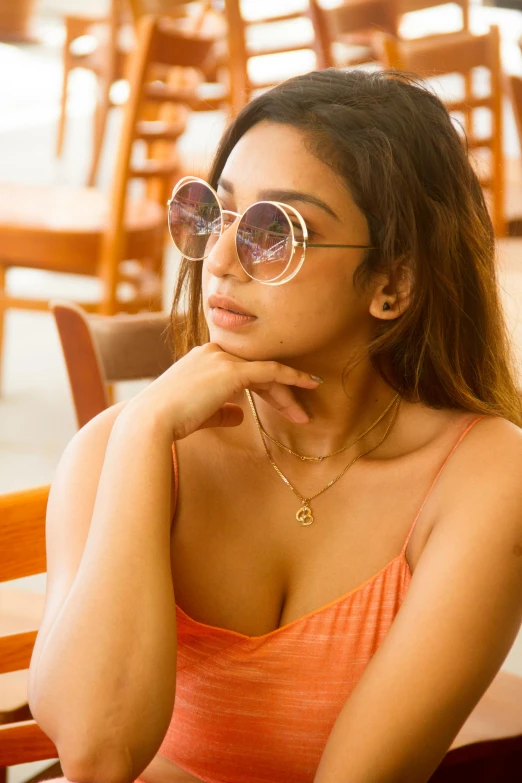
<point x="61" y="228"/>
<point x="13" y="692"/>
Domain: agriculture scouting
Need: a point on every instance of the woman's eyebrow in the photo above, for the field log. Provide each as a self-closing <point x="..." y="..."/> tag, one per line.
<point x="284" y="196"/>
<point x="296" y="195"/>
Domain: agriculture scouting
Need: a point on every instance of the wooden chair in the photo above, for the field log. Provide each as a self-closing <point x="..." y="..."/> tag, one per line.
<point x="101" y="350"/>
<point x="22" y="553"/>
<point x="488" y="749"/>
<point x="513" y="201"/>
<point x="353" y="23"/>
<point x="107" y="60"/>
<point x="460" y="54"/>
<point x="197" y="17"/>
<point x="241" y="33"/>
<point x="114" y="40"/>
<point x="115" y="239"/>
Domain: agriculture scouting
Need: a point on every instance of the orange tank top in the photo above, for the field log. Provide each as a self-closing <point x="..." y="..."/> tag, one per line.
<point x="260" y="708"/>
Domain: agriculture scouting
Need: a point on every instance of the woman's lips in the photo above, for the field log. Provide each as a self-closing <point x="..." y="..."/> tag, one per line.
<point x="228" y="319"/>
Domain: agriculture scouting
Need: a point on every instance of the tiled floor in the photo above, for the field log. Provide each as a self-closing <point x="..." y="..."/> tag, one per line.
<point x="36" y="414"/>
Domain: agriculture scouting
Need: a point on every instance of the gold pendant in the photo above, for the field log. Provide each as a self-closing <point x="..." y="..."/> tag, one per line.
<point x="305" y="516"/>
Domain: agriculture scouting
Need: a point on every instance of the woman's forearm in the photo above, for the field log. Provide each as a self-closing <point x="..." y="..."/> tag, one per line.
<point x="105" y="682"/>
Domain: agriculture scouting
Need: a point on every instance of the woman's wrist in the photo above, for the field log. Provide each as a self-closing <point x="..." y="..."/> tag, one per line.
<point x="142" y="420"/>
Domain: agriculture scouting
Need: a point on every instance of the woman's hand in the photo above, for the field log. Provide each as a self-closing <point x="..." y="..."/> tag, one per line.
<point x="194" y="393"/>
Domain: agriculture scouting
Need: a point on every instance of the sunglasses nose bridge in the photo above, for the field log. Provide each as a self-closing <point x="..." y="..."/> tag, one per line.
<point x="229" y="217"/>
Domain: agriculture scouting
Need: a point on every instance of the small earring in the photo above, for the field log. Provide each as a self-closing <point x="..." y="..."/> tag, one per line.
<point x="386" y="306"/>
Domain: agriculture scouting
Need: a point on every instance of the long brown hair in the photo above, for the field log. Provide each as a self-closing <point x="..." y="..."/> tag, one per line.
<point x="394" y="144"/>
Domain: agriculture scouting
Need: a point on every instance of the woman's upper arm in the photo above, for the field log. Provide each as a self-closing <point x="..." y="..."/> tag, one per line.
<point x="453" y="631"/>
<point x="69" y="513"/>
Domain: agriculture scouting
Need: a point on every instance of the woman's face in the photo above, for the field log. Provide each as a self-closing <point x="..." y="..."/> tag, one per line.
<point x="317" y="315"/>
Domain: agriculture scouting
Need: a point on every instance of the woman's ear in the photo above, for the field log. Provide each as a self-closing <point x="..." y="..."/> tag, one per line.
<point x="392" y="293"/>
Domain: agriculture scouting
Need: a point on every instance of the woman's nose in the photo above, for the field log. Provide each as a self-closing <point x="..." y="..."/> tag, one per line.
<point x="222" y="259"/>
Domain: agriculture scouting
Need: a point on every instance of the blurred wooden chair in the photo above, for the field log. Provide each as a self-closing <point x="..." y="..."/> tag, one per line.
<point x="513" y="202"/>
<point x="112" y="39"/>
<point x="198" y="16"/>
<point x="191" y="14"/>
<point x="460" y="54"/>
<point x="115" y="239"/>
<point x="351" y="26"/>
<point x="102" y="350"/>
<point x="100" y="45"/>
<point x="22" y="554"/>
<point x="244" y="36"/>
<point x="195" y="16"/>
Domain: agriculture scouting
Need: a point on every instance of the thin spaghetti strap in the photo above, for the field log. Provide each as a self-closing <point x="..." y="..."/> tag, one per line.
<point x="462" y="436"/>
<point x="175" y="481"/>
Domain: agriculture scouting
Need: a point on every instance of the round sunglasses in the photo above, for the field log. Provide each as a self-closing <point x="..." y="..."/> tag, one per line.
<point x="271" y="238"/>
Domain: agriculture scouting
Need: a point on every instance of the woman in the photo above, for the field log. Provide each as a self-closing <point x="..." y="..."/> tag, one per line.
<point x="342" y="577"/>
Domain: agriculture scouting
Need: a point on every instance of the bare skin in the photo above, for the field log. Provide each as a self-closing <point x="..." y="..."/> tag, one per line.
<point x="235" y="521"/>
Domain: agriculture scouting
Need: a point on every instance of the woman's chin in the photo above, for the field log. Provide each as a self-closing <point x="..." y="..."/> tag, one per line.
<point x="240" y="345"/>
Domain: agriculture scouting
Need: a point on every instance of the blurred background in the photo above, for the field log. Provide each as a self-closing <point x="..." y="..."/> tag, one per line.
<point x="84" y="131"/>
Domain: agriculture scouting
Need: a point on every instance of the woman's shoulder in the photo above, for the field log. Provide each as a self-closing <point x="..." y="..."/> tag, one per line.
<point x="425" y="426"/>
<point x="485" y="469"/>
<point x="489" y="436"/>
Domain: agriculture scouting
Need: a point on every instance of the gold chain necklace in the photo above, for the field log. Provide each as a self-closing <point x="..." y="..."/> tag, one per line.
<point x="304" y="515"/>
<point x="333" y="453"/>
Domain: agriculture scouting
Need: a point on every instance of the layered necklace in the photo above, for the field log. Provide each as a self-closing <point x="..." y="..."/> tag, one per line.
<point x="304" y="515"/>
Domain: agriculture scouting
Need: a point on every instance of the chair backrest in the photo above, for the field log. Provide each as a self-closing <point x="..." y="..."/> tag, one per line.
<point x="460" y="54"/>
<point x="197" y="17"/>
<point x="407" y="6"/>
<point x="241" y="48"/>
<point x="161" y="50"/>
<point x="99" y="350"/>
<point x="187" y="10"/>
<point x="352" y="15"/>
<point x="355" y="21"/>
<point x="22" y="553"/>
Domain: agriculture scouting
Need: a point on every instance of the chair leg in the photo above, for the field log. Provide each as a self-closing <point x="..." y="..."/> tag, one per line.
<point x="63" y="100"/>
<point x="103" y="105"/>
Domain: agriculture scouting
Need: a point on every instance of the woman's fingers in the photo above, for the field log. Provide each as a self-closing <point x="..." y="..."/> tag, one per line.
<point x="282" y="399"/>
<point x="252" y="373"/>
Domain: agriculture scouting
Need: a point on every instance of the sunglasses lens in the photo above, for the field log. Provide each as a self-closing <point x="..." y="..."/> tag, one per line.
<point x="194" y="220"/>
<point x="264" y="241"/>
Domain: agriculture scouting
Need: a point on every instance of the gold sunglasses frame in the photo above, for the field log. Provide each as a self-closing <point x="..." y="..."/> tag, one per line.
<point x="304" y="244"/>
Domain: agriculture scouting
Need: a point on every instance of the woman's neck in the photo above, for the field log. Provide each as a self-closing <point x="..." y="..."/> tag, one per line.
<point x="339" y="412"/>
